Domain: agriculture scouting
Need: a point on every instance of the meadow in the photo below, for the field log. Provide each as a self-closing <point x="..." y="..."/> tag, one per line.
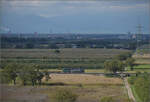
<point x="73" y="57"/>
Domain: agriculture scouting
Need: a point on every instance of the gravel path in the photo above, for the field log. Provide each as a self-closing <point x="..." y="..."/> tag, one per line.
<point x="130" y="94"/>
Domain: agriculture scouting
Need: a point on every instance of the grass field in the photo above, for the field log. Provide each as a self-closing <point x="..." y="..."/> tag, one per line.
<point x="47" y="58"/>
<point x="64" y="53"/>
<point x="141" y="66"/>
<point x="135" y="95"/>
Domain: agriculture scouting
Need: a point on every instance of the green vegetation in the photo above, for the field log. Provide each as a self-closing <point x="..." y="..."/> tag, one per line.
<point x="106" y="99"/>
<point x="64" y="95"/>
<point x="10" y="72"/>
<point x="48" y="58"/>
<point x="130" y="62"/>
<point x="140" y="66"/>
<point x="114" y="66"/>
<point x="141" y="86"/>
<point x="118" y="64"/>
<point x="124" y="56"/>
<point x="28" y="74"/>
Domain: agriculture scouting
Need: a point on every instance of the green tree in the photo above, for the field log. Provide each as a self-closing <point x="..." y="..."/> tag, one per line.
<point x="24" y="74"/>
<point x="114" y="66"/>
<point x="29" y="45"/>
<point x="40" y="75"/>
<point x="3" y="78"/>
<point x="57" y="51"/>
<point x="47" y="75"/>
<point x="32" y="74"/>
<point x="10" y="71"/>
<point x="124" y="56"/>
<point x="130" y="63"/>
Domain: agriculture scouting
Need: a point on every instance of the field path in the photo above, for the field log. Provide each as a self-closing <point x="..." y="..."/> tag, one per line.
<point x="130" y="94"/>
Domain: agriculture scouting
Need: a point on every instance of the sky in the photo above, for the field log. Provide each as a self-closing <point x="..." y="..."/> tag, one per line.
<point x="74" y="16"/>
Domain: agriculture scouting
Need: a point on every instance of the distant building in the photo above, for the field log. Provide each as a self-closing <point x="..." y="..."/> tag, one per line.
<point x="60" y="45"/>
<point x="74" y="45"/>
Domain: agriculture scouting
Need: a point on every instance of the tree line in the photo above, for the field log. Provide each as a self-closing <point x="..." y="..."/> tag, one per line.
<point x="27" y="74"/>
<point x="119" y="63"/>
<point x="55" y="43"/>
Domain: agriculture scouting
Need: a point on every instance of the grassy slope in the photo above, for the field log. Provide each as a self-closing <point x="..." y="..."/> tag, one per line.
<point x="135" y="95"/>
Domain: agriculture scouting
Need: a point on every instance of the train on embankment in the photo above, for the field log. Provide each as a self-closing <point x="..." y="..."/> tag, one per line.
<point x="82" y="71"/>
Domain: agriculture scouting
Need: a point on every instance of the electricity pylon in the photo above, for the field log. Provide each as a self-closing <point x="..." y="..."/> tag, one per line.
<point x="139" y="36"/>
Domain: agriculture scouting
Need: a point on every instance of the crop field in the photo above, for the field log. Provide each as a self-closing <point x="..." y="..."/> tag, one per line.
<point x="89" y="88"/>
<point x="142" y="59"/>
<point x="48" y="58"/>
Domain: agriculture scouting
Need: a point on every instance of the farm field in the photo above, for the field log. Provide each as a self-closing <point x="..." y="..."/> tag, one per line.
<point x="89" y="88"/>
<point x="84" y="79"/>
<point x="141" y="66"/>
<point x="48" y="58"/>
<point x="143" y="57"/>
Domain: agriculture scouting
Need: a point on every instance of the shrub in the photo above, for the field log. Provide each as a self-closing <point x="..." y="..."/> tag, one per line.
<point x="131" y="80"/>
<point x="57" y="51"/>
<point x="3" y="78"/>
<point x="64" y="95"/>
<point x="106" y="99"/>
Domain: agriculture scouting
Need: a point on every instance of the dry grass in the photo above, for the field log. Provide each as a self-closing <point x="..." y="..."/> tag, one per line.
<point x="84" y="79"/>
<point x="142" y="59"/>
<point x="89" y="93"/>
<point x="94" y="70"/>
<point x="86" y="92"/>
<point x="20" y="94"/>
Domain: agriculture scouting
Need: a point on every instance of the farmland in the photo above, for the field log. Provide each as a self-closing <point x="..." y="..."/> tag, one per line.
<point x="90" y="88"/>
<point x="68" y="57"/>
<point x="84" y="79"/>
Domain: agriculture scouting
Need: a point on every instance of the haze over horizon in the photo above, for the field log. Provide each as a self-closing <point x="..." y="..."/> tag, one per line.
<point x="113" y="16"/>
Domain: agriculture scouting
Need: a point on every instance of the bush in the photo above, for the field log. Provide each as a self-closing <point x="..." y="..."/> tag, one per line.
<point x="106" y="99"/>
<point x="131" y="80"/>
<point x="3" y="78"/>
<point x="57" y="51"/>
<point x="64" y="95"/>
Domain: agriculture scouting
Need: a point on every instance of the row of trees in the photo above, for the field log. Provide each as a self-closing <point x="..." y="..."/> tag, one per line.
<point x="119" y="63"/>
<point x="26" y="73"/>
<point x="34" y="42"/>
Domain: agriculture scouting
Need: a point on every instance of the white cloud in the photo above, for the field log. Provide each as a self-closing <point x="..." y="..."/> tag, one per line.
<point x="47" y="15"/>
<point x="57" y="8"/>
<point x="5" y="29"/>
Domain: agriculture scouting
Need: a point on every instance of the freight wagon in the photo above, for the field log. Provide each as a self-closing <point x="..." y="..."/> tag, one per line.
<point x="73" y="70"/>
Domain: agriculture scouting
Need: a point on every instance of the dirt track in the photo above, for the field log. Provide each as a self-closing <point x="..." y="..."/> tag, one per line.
<point x="130" y="94"/>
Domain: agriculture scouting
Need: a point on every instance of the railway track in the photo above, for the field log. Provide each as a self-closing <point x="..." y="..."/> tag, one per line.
<point x="124" y="74"/>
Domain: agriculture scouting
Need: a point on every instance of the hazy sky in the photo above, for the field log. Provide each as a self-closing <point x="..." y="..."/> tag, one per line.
<point x="83" y="16"/>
